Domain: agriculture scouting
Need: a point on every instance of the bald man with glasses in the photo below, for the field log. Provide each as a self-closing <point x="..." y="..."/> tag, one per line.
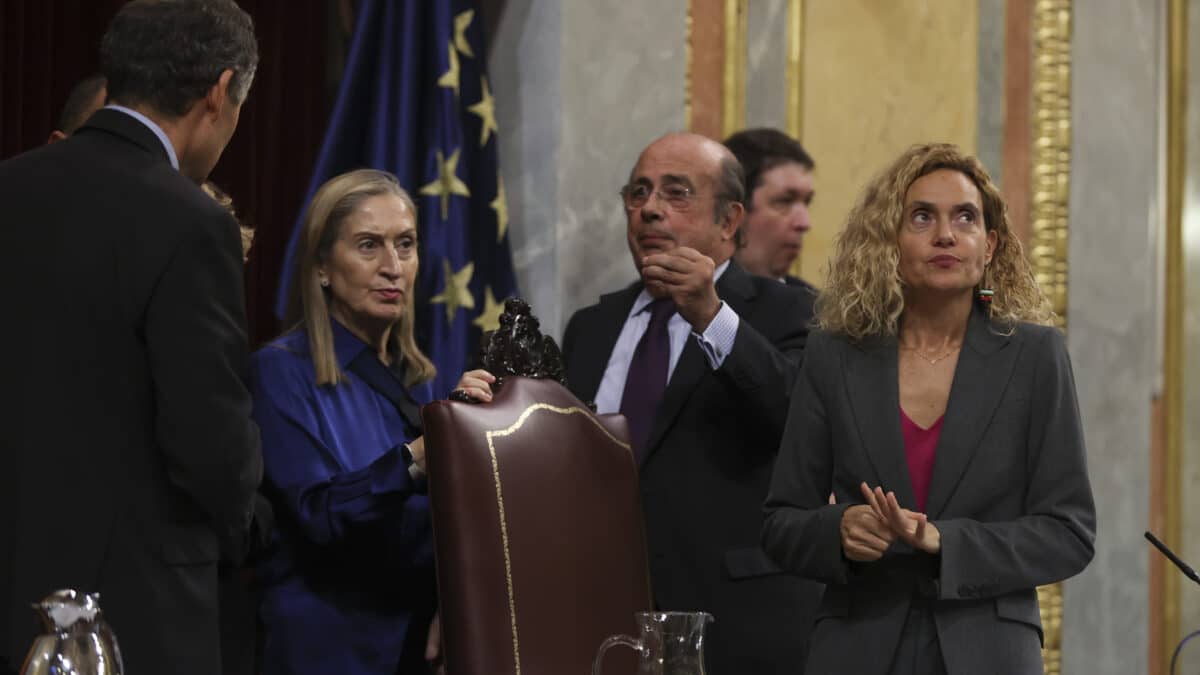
<point x="700" y="357"/>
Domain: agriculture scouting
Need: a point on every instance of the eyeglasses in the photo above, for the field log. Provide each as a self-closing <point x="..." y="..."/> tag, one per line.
<point x="677" y="197"/>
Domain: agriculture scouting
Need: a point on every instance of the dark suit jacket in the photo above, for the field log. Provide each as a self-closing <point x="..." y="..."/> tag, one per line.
<point x="705" y="476"/>
<point x="1009" y="494"/>
<point x="797" y="282"/>
<point x="130" y="458"/>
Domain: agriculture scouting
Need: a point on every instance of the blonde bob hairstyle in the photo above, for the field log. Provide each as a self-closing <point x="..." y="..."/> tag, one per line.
<point x="864" y="294"/>
<point x="308" y="302"/>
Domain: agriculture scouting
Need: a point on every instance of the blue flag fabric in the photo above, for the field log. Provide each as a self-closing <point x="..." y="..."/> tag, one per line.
<point x="414" y="100"/>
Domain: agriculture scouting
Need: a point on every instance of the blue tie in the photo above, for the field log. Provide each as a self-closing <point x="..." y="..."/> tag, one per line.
<point x="647" y="377"/>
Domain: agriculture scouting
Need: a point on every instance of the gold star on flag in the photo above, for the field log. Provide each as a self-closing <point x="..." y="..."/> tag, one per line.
<point x="500" y="206"/>
<point x="489" y="318"/>
<point x="447" y="183"/>
<point x="486" y="109"/>
<point x="456" y="292"/>
<point x="449" y="79"/>
<point x="460" y="32"/>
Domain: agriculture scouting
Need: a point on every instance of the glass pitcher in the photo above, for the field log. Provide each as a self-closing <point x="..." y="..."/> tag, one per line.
<point x="76" y="640"/>
<point x="671" y="643"/>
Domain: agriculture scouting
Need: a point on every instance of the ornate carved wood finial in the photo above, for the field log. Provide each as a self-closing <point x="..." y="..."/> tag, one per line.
<point x="518" y="348"/>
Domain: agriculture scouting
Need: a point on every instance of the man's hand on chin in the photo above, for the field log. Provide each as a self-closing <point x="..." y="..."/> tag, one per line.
<point x="686" y="275"/>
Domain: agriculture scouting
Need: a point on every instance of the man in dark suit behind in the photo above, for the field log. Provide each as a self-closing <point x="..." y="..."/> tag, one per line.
<point x="700" y="357"/>
<point x="130" y="458"/>
<point x="779" y="191"/>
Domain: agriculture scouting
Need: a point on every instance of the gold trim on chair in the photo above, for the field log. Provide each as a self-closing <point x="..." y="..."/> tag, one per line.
<point x="497" y="433"/>
<point x="1051" y="188"/>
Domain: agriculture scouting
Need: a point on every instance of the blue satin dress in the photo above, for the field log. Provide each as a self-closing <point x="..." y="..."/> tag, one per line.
<point x="349" y="585"/>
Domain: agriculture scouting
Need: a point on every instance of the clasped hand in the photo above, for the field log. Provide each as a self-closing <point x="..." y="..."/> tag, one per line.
<point x="869" y="529"/>
<point x="687" y="276"/>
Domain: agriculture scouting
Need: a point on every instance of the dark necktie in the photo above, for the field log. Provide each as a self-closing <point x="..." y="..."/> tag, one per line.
<point x="647" y="377"/>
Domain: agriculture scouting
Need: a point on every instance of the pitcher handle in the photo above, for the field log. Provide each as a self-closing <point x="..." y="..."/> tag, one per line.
<point x="623" y="640"/>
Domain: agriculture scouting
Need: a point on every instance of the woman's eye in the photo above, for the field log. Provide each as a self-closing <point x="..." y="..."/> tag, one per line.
<point x="366" y="245"/>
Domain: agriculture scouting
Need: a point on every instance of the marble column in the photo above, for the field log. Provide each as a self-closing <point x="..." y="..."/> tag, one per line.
<point x="581" y="88"/>
<point x="989" y="90"/>
<point x="1113" y="337"/>
<point x="766" y="63"/>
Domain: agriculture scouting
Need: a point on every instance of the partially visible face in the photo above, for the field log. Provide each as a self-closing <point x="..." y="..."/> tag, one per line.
<point x="221" y="133"/>
<point x="93" y="105"/>
<point x="680" y="164"/>
<point x="217" y="132"/>
<point x="372" y="267"/>
<point x="944" y="243"/>
<point x="777" y="220"/>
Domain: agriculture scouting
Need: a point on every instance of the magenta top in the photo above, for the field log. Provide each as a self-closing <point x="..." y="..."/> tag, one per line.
<point x="919" y="447"/>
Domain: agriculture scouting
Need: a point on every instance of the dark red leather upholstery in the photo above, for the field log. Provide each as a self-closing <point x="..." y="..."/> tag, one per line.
<point x="537" y="520"/>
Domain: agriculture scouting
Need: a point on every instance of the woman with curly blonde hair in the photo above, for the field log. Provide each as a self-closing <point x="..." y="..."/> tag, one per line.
<point x="938" y="407"/>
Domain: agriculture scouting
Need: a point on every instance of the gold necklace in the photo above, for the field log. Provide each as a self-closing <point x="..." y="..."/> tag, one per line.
<point x="932" y="361"/>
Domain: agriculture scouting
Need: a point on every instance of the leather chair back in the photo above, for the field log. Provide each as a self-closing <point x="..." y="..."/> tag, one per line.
<point x="537" y="520"/>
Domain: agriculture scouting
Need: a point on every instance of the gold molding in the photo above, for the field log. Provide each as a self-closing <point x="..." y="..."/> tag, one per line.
<point x="795" y="70"/>
<point x="688" y="66"/>
<point x="1051" y="149"/>
<point x="1050" y="193"/>
<point x="733" y="95"/>
<point x="1173" y="348"/>
<point x="492" y="434"/>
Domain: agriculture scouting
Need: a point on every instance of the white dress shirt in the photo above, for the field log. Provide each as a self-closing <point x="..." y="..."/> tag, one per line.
<point x="716" y="343"/>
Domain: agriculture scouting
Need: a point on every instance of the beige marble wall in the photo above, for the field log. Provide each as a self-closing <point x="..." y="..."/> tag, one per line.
<point x="1115" y="223"/>
<point x="879" y="77"/>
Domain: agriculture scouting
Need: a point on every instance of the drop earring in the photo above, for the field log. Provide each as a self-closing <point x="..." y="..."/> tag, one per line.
<point x="985" y="292"/>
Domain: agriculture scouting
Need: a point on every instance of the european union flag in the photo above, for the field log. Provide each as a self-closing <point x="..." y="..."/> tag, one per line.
<point x="415" y="100"/>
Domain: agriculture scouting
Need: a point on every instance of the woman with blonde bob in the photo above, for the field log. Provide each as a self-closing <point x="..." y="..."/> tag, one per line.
<point x="349" y="585"/>
<point x="937" y="405"/>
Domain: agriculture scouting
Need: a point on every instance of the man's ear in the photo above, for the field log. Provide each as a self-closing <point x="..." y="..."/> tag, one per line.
<point x="735" y="213"/>
<point x="217" y="94"/>
<point x="55" y="136"/>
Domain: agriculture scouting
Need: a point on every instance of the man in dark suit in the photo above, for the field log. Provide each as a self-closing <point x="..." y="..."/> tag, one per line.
<point x="779" y="189"/>
<point x="700" y="357"/>
<point x="130" y="458"/>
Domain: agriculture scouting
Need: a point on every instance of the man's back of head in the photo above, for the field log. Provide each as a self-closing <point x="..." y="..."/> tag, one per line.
<point x="779" y="189"/>
<point x="85" y="98"/>
<point x="187" y="66"/>
<point x="166" y="54"/>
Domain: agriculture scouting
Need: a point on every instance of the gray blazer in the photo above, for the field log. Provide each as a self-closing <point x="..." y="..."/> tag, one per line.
<point x="1010" y="496"/>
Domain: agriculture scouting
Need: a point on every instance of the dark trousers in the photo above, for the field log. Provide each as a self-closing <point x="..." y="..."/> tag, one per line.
<point x="919" y="652"/>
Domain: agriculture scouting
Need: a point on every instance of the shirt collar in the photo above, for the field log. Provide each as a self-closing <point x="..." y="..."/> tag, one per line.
<point x="346" y="345"/>
<point x="162" y="135"/>
<point x="644" y="298"/>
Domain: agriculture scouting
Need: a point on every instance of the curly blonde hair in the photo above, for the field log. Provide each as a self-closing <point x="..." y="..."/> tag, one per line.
<point x="864" y="294"/>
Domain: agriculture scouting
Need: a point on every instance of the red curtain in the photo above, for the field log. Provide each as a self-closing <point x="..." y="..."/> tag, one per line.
<point x="46" y="46"/>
